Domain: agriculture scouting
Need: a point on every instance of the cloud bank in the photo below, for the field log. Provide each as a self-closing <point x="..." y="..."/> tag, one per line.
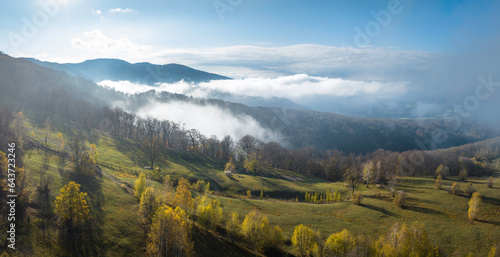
<point x="295" y="87"/>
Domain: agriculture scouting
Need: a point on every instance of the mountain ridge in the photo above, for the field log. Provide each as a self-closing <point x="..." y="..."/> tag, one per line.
<point x="144" y="72"/>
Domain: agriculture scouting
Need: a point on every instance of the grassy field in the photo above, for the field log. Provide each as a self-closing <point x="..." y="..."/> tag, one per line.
<point x="444" y="215"/>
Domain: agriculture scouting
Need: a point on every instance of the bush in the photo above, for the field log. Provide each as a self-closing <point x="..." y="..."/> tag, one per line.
<point x="469" y="189"/>
<point x="489" y="183"/>
<point x="356" y="198"/>
<point x="399" y="199"/>
<point x="455" y="188"/>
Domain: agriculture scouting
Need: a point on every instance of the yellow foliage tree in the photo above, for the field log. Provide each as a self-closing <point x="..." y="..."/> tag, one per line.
<point x="149" y="203"/>
<point x="233" y="224"/>
<point x="183" y="197"/>
<point x="256" y="229"/>
<point x="474" y="206"/>
<point x="170" y="233"/>
<point x="60" y="141"/>
<point x="230" y="165"/>
<point x="209" y="212"/>
<point x="71" y="206"/>
<point x="438" y="182"/>
<point x="401" y="241"/>
<point x="304" y="240"/>
<point x="140" y="185"/>
<point x="339" y="244"/>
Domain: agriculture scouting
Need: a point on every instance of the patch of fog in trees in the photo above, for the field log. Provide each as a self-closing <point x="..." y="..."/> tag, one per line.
<point x="210" y="120"/>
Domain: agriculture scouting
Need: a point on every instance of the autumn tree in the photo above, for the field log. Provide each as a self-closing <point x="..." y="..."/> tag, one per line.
<point x="339" y="244"/>
<point x="73" y="212"/>
<point x="256" y="229"/>
<point x="404" y="241"/>
<point x="438" y="182"/>
<point x="170" y="233"/>
<point x="183" y="197"/>
<point x="140" y="185"/>
<point x="60" y="141"/>
<point x="399" y="199"/>
<point x="230" y="165"/>
<point x="252" y="163"/>
<point x="474" y="206"/>
<point x="368" y="172"/>
<point x="209" y="212"/>
<point x="149" y="204"/>
<point x="455" y="188"/>
<point x="489" y="183"/>
<point x="71" y="206"/>
<point x="442" y="170"/>
<point x="304" y="240"/>
<point x="356" y="198"/>
<point x="233" y="224"/>
<point x="277" y="237"/>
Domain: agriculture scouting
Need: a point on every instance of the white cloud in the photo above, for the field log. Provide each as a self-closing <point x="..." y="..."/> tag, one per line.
<point x="209" y="120"/>
<point x="96" y="41"/>
<point x="125" y="86"/>
<point x="96" y="11"/>
<point x="124" y="11"/>
<point x="319" y="60"/>
<point x="294" y="87"/>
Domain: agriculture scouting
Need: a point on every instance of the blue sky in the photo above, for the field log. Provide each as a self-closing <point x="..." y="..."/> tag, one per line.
<point x="194" y="32"/>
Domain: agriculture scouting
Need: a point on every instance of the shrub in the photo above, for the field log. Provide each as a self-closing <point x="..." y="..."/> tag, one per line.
<point x="356" y="198"/>
<point x="399" y="199"/>
<point x="455" y="188"/>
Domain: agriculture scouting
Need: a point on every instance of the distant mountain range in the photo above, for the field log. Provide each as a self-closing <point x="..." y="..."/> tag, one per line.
<point x="143" y="73"/>
<point x="150" y="74"/>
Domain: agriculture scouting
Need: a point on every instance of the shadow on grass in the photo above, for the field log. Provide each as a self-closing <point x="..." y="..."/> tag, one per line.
<point x="490" y="200"/>
<point x="382" y="210"/>
<point x="492" y="222"/>
<point x="422" y="210"/>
